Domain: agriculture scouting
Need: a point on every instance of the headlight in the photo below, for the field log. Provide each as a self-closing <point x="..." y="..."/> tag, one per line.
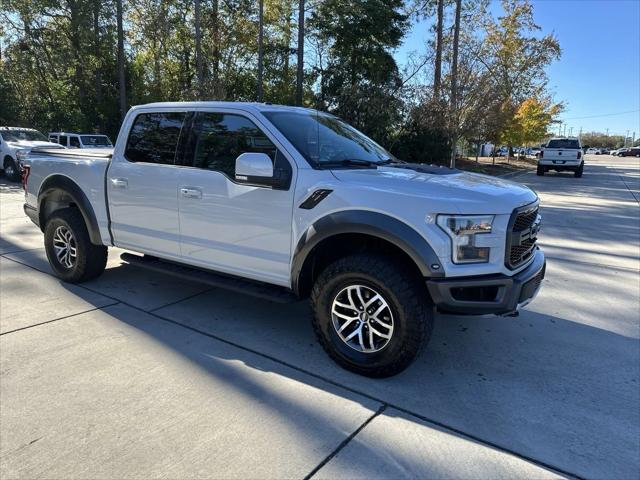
<point x="463" y="229"/>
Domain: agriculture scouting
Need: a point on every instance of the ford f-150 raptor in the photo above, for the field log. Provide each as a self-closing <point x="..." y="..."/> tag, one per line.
<point x="288" y="202"/>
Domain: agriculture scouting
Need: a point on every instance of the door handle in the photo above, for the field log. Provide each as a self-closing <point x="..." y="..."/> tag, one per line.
<point x="191" y="192"/>
<point x="119" y="182"/>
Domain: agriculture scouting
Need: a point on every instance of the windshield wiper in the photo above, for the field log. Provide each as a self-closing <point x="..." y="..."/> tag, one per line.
<point x="348" y="162"/>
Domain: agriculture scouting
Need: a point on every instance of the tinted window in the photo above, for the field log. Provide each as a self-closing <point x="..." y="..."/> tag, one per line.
<point x="74" y="142"/>
<point x="63" y="140"/>
<point x="96" y="141"/>
<point x="324" y="139"/>
<point x="218" y="139"/>
<point x="154" y="137"/>
<point x="563" y="143"/>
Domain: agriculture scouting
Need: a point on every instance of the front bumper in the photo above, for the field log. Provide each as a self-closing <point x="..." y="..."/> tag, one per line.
<point x="497" y="294"/>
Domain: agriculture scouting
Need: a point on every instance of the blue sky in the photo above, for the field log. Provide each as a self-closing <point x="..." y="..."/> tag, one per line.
<point x="599" y="71"/>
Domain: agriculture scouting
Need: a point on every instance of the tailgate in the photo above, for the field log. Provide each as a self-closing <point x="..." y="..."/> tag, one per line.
<point x="561" y="154"/>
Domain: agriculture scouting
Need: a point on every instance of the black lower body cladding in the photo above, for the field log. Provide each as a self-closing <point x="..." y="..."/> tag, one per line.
<point x="489" y="294"/>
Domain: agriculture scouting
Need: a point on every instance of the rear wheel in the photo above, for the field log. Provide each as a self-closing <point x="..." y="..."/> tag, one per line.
<point x="578" y="172"/>
<point x="70" y="252"/>
<point x="11" y="170"/>
<point x="540" y="171"/>
<point x="371" y="315"/>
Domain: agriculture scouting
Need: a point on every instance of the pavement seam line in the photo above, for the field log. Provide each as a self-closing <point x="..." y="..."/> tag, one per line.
<point x="181" y="300"/>
<point x="345" y="442"/>
<point x="629" y="188"/>
<point x="425" y="419"/>
<point x="57" y="319"/>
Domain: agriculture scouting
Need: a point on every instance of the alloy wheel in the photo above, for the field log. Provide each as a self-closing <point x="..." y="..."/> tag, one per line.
<point x="362" y="318"/>
<point x="64" y="245"/>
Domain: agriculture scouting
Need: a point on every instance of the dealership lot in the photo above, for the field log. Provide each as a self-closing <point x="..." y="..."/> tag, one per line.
<point x="140" y="375"/>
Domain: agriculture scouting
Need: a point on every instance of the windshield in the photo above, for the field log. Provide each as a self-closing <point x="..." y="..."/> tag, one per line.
<point x="327" y="140"/>
<point x="96" y="141"/>
<point x="563" y="143"/>
<point x="17" y="135"/>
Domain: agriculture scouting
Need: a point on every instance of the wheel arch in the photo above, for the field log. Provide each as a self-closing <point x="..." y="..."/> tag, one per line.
<point x="58" y="192"/>
<point x="341" y="233"/>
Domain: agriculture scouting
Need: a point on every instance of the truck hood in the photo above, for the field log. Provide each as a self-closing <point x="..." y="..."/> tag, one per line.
<point x="463" y="192"/>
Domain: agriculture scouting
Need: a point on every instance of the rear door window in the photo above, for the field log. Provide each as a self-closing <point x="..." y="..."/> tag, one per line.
<point x="563" y="143"/>
<point x="154" y="137"/>
<point x="63" y="140"/>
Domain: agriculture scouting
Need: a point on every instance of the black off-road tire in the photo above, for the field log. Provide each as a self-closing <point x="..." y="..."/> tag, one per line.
<point x="90" y="260"/>
<point x="540" y="171"/>
<point x="11" y="170"/>
<point x="578" y="172"/>
<point x="402" y="290"/>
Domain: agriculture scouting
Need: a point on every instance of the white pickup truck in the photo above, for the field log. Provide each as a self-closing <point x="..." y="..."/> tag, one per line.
<point x="17" y="141"/>
<point x="561" y="154"/>
<point x="288" y="203"/>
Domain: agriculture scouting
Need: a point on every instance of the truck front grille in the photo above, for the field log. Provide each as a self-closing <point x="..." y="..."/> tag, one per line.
<point x="522" y="235"/>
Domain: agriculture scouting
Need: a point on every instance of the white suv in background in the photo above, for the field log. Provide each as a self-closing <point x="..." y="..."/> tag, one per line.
<point x="80" y="140"/>
<point x="18" y="139"/>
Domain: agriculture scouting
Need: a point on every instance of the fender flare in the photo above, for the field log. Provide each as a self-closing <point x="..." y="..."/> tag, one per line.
<point x="369" y="223"/>
<point x="59" y="184"/>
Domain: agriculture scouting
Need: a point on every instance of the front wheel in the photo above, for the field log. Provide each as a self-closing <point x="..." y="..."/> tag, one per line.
<point x="371" y="315"/>
<point x="71" y="254"/>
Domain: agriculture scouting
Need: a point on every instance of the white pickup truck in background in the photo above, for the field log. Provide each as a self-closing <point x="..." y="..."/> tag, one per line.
<point x="561" y="154"/>
<point x="16" y="142"/>
<point x="289" y="203"/>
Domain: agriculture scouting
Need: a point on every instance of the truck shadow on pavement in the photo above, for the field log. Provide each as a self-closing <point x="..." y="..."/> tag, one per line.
<point x="545" y="387"/>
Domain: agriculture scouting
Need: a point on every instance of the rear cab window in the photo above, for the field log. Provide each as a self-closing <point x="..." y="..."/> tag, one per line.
<point x="154" y="137"/>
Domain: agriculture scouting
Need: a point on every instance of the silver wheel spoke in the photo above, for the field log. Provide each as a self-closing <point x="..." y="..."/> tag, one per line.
<point x="346" y="324"/>
<point x="379" y="333"/>
<point x="345" y="317"/>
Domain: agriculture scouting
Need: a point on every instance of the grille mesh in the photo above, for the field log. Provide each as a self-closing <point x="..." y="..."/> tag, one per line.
<point x="520" y="252"/>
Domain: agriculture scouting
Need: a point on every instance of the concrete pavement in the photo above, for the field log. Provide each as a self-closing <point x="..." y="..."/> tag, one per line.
<point x="162" y="378"/>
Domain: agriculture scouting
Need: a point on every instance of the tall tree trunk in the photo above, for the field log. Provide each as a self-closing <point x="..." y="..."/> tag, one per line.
<point x="199" y="71"/>
<point x="454" y="84"/>
<point x="260" y="47"/>
<point x="300" y="66"/>
<point x="217" y="89"/>
<point x="437" y="75"/>
<point x="121" y="80"/>
<point x="98" y="73"/>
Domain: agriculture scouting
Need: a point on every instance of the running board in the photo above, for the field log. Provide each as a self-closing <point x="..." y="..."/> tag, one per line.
<point x="256" y="289"/>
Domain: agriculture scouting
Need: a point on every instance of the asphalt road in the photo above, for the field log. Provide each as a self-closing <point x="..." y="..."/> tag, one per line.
<point x="140" y="375"/>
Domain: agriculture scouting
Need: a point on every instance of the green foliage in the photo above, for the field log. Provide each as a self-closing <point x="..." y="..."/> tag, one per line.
<point x="361" y="78"/>
<point x="59" y="69"/>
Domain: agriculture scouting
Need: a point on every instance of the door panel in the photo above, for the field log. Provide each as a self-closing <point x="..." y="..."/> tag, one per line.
<point x="143" y="206"/>
<point x="240" y="229"/>
<point x="142" y="186"/>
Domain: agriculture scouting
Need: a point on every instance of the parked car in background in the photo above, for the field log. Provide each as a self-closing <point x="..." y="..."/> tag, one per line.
<point x="80" y="140"/>
<point x="561" y="154"/>
<point x="16" y="142"/>
<point x="604" y="151"/>
<point x="593" y="151"/>
<point x="288" y="203"/>
<point x="619" y="151"/>
<point x="630" y="152"/>
<point x="534" y="151"/>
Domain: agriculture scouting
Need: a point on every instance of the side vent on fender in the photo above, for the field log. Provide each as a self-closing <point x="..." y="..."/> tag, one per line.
<point x="315" y="198"/>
